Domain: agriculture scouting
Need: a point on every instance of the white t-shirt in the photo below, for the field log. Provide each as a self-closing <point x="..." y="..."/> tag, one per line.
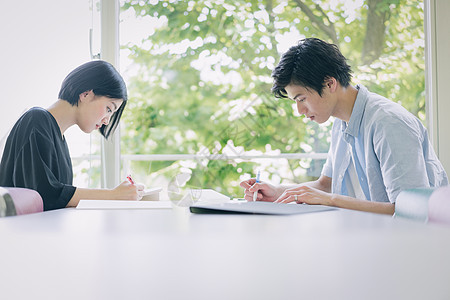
<point x="353" y="186"/>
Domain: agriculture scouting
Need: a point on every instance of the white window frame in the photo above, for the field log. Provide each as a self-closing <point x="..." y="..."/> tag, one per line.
<point x="110" y="149"/>
<point x="437" y="70"/>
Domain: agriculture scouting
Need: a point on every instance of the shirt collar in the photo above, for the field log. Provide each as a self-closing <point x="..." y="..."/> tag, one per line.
<point x="354" y="123"/>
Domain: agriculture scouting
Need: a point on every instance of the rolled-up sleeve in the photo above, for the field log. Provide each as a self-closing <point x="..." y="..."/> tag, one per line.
<point x="398" y="145"/>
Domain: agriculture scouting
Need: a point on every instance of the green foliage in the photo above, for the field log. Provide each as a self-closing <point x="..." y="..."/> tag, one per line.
<point x="203" y="81"/>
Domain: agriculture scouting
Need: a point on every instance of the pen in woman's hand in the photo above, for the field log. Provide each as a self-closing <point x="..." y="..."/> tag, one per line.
<point x="130" y="179"/>
<point x="255" y="194"/>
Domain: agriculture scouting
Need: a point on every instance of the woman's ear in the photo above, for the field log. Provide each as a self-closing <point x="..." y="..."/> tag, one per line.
<point x="86" y="95"/>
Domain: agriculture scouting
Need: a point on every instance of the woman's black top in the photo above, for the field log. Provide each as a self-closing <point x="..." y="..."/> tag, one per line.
<point x="36" y="156"/>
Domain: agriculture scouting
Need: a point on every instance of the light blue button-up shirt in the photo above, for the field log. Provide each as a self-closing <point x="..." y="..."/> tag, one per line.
<point x="390" y="147"/>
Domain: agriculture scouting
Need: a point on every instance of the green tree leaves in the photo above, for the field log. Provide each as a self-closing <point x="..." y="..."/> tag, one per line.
<point x="202" y="77"/>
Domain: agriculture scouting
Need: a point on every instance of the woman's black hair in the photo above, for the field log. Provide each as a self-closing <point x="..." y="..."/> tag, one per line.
<point x="309" y="64"/>
<point x="104" y="80"/>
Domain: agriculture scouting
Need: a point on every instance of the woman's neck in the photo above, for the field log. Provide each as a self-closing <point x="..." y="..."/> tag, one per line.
<point x="64" y="114"/>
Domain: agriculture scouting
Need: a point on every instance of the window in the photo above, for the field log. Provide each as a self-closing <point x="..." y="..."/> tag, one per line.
<point x="199" y="79"/>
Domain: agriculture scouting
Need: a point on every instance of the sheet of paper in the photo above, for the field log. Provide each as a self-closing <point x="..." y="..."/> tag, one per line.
<point x="210" y="196"/>
<point x="152" y="191"/>
<point x="202" y="196"/>
<point x="123" y="204"/>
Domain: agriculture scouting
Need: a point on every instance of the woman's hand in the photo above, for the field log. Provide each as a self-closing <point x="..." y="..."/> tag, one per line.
<point x="128" y="191"/>
<point x="266" y="191"/>
<point x="306" y="194"/>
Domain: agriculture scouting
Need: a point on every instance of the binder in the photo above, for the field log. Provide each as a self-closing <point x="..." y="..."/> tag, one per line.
<point x="257" y="207"/>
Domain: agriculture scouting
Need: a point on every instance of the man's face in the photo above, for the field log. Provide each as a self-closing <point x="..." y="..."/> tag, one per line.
<point x="310" y="104"/>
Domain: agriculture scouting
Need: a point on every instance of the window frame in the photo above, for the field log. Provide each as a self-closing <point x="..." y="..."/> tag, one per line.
<point x="110" y="149"/>
<point x="437" y="74"/>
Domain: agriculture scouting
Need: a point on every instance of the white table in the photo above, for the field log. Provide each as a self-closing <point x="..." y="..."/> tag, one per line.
<point x="173" y="254"/>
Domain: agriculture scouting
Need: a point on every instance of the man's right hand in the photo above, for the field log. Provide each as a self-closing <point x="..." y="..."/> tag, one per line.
<point x="266" y="191"/>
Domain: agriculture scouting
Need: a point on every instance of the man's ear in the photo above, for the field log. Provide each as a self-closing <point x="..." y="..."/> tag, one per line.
<point x="331" y="83"/>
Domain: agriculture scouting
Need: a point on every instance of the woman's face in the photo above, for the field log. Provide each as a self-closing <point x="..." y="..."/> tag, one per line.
<point x="96" y="111"/>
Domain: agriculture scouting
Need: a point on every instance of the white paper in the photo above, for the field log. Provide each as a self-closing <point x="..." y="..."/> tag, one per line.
<point x="210" y="196"/>
<point x="152" y="191"/>
<point x="202" y="196"/>
<point x="123" y="204"/>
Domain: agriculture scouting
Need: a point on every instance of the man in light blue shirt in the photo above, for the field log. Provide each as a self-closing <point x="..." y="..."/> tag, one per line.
<point x="377" y="147"/>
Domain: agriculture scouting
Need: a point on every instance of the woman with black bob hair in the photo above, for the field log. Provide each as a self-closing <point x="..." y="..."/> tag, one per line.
<point x="103" y="79"/>
<point x="93" y="96"/>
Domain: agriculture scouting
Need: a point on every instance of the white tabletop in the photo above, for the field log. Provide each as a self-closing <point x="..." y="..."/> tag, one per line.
<point x="173" y="254"/>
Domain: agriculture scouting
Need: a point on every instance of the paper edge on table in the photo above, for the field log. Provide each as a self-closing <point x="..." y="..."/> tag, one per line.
<point x="123" y="204"/>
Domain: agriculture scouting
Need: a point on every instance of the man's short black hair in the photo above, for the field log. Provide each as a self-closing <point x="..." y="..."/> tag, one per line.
<point x="309" y="64"/>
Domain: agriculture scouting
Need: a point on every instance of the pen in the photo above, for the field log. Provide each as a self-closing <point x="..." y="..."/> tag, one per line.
<point x="255" y="194"/>
<point x="130" y="179"/>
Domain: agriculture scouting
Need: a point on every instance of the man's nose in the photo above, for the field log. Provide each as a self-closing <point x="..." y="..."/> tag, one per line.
<point x="301" y="108"/>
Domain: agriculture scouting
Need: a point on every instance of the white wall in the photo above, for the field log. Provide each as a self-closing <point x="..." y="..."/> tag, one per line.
<point x="40" y="43"/>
